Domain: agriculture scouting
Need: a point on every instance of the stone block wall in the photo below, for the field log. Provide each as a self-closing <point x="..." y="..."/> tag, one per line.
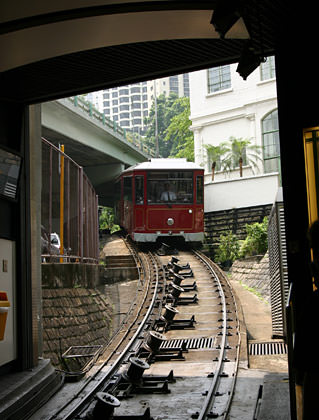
<point x="74" y="317"/>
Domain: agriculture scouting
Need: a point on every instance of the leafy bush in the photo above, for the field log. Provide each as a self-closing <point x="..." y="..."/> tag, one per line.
<point x="256" y="242"/>
<point x="228" y="249"/>
<point x="106" y="220"/>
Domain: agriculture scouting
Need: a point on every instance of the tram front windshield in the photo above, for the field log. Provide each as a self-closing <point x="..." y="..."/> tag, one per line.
<point x="170" y="187"/>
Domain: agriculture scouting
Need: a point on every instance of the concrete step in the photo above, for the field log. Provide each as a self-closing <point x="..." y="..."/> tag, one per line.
<point x="22" y="393"/>
<point x="119" y="268"/>
<point x="119" y="261"/>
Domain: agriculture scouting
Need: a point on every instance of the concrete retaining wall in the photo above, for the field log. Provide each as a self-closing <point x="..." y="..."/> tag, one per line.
<point x="253" y="272"/>
<point x="70" y="275"/>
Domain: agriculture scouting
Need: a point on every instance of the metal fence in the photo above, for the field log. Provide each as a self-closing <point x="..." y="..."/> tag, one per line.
<point x="278" y="268"/>
<point x="69" y="210"/>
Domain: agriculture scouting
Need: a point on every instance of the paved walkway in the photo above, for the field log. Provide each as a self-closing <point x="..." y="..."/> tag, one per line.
<point x="268" y="374"/>
<point x="114" y="246"/>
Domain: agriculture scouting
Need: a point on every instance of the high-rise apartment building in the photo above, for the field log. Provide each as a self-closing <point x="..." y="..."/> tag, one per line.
<point x="129" y="105"/>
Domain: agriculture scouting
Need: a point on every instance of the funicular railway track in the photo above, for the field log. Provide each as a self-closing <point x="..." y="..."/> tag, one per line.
<point x="175" y="355"/>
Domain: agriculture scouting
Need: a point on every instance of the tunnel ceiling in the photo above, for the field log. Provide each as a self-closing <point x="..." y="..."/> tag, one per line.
<point x="86" y="70"/>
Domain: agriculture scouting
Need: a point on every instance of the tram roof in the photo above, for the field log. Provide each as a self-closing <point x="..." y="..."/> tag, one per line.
<point x="165" y="164"/>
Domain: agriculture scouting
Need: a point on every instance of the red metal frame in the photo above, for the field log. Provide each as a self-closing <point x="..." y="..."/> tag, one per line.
<point x="150" y="219"/>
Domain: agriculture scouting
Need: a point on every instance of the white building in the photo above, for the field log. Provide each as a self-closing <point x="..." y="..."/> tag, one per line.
<point x="129" y="105"/>
<point x="223" y="105"/>
<point x="178" y="84"/>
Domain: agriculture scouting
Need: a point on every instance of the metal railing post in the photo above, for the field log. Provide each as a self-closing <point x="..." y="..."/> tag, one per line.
<point x="80" y="230"/>
<point x="50" y="200"/>
<point x="61" y="202"/>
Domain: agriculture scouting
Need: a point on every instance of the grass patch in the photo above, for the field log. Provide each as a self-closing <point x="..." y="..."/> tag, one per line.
<point x="253" y="291"/>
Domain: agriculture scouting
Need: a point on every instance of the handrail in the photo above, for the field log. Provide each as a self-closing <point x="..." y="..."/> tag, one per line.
<point x="136" y="139"/>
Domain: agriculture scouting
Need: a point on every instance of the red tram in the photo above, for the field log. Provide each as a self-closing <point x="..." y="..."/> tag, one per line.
<point x="160" y="199"/>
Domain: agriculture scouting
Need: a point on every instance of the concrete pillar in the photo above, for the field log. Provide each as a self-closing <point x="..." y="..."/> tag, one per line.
<point x="198" y="145"/>
<point x="35" y="225"/>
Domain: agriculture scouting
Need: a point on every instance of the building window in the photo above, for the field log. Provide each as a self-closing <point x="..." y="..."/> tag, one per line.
<point x="173" y="84"/>
<point x="270" y="134"/>
<point x="267" y="69"/>
<point x="186" y="84"/>
<point x="135" y="89"/>
<point x="218" y="79"/>
<point x="135" y="98"/>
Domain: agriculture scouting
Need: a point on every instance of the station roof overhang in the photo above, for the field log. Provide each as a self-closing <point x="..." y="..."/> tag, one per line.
<point x="56" y="49"/>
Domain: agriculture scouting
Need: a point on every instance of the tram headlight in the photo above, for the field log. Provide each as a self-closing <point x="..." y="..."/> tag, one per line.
<point x="170" y="221"/>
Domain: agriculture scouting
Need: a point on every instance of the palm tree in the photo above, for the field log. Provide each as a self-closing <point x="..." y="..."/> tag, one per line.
<point x="240" y="151"/>
<point x="215" y="154"/>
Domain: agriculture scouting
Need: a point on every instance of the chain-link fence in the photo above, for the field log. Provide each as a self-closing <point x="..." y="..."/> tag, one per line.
<point x="69" y="210"/>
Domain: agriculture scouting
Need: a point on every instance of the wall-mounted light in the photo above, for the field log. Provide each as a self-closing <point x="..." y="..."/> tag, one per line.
<point x="225" y="15"/>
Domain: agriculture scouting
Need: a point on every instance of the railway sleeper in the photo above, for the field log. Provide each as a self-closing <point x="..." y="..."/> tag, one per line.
<point x="161" y="355"/>
<point x="166" y="355"/>
<point x="163" y="325"/>
<point x="185" y="300"/>
<point x="126" y="389"/>
<point x="183" y="273"/>
<point x="186" y="287"/>
<point x="175" y="260"/>
<point x="166" y="321"/>
<point x="105" y="406"/>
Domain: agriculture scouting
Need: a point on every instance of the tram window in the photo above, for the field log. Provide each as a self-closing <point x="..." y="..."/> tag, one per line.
<point x="127" y="189"/>
<point x="199" y="190"/>
<point x="173" y="187"/>
<point x="139" y="190"/>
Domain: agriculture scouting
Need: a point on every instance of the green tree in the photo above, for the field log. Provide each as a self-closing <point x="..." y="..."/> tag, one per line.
<point x="215" y="156"/>
<point x="241" y="152"/>
<point x="256" y="242"/>
<point x="178" y="133"/>
<point x="106" y="220"/>
<point x="174" y="137"/>
<point x="228" y="248"/>
<point x="165" y="112"/>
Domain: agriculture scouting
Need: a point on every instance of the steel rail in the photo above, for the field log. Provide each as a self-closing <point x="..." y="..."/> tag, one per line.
<point x="80" y="401"/>
<point x="237" y="350"/>
<point x="205" y="412"/>
<point x="210" y="394"/>
<point x="151" y="265"/>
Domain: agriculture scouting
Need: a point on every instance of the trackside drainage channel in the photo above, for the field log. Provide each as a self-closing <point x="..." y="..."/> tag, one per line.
<point x="264" y="349"/>
<point x="194" y="343"/>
